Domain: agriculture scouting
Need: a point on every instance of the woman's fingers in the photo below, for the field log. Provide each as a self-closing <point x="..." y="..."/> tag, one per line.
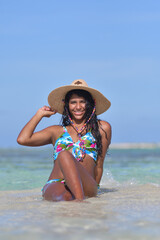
<point x="46" y="111"/>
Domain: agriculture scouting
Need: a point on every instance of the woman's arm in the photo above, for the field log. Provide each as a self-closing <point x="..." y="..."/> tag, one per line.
<point x="27" y="136"/>
<point x="105" y="128"/>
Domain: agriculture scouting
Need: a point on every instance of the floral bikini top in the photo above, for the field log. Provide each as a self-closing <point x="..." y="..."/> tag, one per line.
<point x="87" y="145"/>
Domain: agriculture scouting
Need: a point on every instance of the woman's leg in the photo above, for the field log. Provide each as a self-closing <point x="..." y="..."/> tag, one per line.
<point x="79" y="181"/>
<point x="56" y="191"/>
<point x="76" y="176"/>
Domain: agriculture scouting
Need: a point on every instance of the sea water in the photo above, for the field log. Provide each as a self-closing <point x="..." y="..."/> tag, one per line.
<point x="127" y="205"/>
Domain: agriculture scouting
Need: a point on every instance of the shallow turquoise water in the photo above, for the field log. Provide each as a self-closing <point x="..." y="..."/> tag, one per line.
<point x="24" y="168"/>
<point x="135" y="165"/>
<point x="127" y="206"/>
<point x="28" y="168"/>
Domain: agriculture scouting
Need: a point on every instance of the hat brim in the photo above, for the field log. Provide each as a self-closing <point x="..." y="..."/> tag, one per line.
<point x="57" y="96"/>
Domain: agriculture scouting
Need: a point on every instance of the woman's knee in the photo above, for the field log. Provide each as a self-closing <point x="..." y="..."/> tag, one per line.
<point x="64" y="154"/>
<point x="67" y="196"/>
<point x="65" y="157"/>
<point x="55" y="194"/>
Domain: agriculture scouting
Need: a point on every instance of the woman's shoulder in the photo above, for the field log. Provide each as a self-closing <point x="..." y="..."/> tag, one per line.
<point x="56" y="130"/>
<point x="105" y="131"/>
<point x="106" y="126"/>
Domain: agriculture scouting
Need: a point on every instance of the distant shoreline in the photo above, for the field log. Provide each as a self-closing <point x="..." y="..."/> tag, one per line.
<point x="124" y="145"/>
<point x="134" y="145"/>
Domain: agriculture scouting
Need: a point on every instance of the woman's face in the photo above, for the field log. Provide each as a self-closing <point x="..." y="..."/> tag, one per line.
<point x="77" y="107"/>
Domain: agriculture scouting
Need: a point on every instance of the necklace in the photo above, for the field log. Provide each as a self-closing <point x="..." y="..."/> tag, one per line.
<point x="82" y="148"/>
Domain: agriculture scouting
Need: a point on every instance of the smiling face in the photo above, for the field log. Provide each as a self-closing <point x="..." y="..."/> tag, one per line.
<point x="77" y="107"/>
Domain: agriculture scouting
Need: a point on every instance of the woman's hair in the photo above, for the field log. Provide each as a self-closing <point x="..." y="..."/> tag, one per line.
<point x="93" y="123"/>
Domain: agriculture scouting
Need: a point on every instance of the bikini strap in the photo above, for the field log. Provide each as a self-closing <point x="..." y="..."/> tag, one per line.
<point x="64" y="128"/>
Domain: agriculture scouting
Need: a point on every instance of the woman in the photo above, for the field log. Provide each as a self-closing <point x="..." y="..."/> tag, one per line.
<point x="80" y="143"/>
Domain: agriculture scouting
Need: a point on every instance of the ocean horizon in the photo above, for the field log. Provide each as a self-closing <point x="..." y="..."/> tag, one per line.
<point x="112" y="145"/>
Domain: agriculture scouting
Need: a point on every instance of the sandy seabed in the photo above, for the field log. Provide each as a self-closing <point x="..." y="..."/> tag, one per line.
<point x="123" y="212"/>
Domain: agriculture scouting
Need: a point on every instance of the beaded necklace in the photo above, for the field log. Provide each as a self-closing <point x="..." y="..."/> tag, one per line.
<point x="82" y="148"/>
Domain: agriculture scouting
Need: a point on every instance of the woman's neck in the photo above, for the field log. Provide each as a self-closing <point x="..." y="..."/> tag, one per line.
<point x="79" y="126"/>
<point x="79" y="123"/>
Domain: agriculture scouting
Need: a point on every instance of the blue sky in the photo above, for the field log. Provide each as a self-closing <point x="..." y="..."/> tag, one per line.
<point x="113" y="45"/>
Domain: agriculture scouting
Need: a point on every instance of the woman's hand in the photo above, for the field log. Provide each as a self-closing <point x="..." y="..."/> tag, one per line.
<point x="46" y="111"/>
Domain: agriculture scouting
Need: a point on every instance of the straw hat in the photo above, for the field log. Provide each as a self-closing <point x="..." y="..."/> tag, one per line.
<point x="57" y="96"/>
